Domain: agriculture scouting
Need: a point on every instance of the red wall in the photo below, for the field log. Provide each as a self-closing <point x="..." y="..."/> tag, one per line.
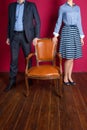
<point x="48" y="10"/>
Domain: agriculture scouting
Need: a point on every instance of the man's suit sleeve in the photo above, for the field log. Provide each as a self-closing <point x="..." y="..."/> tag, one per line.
<point x="37" y="21"/>
<point x="8" y="33"/>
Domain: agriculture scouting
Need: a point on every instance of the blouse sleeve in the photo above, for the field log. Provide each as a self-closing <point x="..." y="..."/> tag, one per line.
<point x="58" y="23"/>
<point x="79" y="24"/>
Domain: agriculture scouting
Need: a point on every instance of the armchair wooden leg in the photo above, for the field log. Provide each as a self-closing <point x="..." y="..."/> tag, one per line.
<point x="56" y="83"/>
<point x="27" y="86"/>
<point x="60" y="86"/>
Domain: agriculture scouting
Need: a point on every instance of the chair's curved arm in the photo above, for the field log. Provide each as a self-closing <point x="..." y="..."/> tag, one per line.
<point x="60" y="61"/>
<point x="29" y="56"/>
<point x="27" y="61"/>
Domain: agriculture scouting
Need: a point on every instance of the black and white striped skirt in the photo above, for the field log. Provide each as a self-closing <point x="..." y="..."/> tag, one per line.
<point x="70" y="43"/>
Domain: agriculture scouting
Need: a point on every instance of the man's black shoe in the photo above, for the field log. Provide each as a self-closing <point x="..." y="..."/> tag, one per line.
<point x="10" y="86"/>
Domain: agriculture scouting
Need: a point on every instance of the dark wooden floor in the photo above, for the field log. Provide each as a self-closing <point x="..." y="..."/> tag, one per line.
<point x="43" y="109"/>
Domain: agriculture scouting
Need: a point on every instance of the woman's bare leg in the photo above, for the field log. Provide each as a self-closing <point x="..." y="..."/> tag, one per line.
<point x="70" y="71"/>
<point x="68" y="66"/>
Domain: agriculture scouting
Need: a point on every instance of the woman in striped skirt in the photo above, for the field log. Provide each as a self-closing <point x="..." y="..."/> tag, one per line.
<point x="71" y="39"/>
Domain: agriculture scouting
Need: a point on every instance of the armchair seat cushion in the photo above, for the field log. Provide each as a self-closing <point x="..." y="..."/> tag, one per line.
<point x="44" y="71"/>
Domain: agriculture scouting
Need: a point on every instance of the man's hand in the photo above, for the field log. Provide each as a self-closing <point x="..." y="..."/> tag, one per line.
<point x="8" y="41"/>
<point x="35" y="41"/>
<point x="55" y="40"/>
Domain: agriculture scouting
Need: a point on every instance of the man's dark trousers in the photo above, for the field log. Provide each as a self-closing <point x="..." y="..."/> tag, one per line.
<point x="19" y="40"/>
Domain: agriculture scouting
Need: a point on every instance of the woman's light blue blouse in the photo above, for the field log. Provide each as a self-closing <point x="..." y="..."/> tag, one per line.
<point x="69" y="15"/>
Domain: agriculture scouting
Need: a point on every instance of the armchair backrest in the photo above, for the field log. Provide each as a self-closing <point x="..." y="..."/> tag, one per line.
<point x="45" y="50"/>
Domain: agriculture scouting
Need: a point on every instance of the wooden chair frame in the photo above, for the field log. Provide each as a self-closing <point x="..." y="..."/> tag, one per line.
<point x="38" y="60"/>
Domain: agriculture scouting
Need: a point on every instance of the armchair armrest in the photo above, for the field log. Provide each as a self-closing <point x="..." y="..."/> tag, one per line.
<point x="27" y="61"/>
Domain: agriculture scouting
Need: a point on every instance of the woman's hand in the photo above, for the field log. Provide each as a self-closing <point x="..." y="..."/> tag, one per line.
<point x="82" y="41"/>
<point x="55" y="40"/>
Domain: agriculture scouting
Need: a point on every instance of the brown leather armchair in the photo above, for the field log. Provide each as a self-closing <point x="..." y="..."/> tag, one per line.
<point x="45" y="51"/>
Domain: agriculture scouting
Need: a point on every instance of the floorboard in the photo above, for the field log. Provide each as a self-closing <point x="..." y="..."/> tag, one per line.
<point x="43" y="109"/>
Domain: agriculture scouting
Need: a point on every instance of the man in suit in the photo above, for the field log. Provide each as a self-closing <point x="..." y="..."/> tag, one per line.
<point x="23" y="27"/>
